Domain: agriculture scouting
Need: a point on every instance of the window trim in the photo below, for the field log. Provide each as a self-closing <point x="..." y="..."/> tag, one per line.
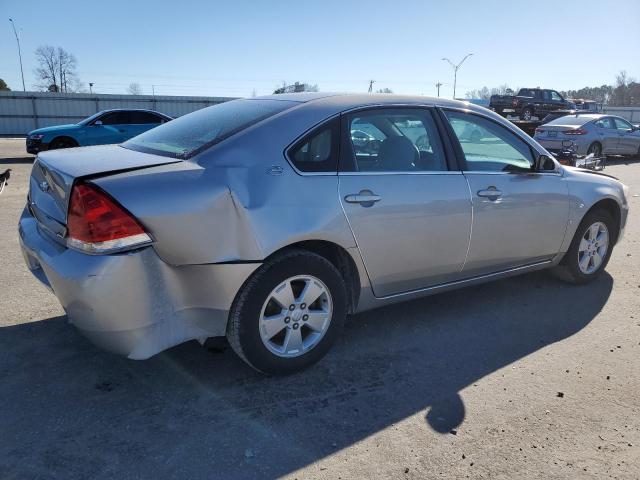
<point x="306" y="136"/>
<point x="345" y="166"/>
<point x="462" y="161"/>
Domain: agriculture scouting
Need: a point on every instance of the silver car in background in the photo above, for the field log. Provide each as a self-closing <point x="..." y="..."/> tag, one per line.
<point x="261" y="221"/>
<point x="591" y="133"/>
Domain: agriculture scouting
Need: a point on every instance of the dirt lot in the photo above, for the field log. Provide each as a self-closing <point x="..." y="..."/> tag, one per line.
<point x="523" y="378"/>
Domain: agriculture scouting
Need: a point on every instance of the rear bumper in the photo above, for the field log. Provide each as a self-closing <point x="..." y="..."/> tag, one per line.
<point x="133" y="304"/>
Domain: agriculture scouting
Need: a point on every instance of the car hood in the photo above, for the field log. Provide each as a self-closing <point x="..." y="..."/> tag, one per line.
<point x="578" y="170"/>
<point x="55" y="128"/>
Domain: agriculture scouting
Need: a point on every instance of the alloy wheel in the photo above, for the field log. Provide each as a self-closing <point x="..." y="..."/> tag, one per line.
<point x="295" y="316"/>
<point x="593" y="248"/>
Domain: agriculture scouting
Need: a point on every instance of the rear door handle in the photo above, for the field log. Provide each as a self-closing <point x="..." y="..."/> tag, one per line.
<point x="492" y="193"/>
<point x="366" y="198"/>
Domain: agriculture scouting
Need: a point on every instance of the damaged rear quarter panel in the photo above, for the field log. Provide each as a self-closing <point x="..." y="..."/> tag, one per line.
<point x="224" y="205"/>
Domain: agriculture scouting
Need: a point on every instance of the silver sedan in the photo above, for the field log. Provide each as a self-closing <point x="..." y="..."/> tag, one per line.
<point x="591" y="133"/>
<point x="261" y="221"/>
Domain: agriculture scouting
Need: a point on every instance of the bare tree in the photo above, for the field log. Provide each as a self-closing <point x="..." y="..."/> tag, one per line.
<point x="3" y="86"/>
<point x="134" y="89"/>
<point x="57" y="69"/>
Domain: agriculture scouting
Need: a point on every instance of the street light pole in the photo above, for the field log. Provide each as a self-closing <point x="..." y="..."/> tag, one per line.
<point x="438" y="85"/>
<point x="24" y="89"/>
<point x="455" y="70"/>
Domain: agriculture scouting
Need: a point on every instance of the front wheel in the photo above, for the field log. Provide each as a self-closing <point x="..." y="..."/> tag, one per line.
<point x="595" y="148"/>
<point x="590" y="248"/>
<point x="289" y="313"/>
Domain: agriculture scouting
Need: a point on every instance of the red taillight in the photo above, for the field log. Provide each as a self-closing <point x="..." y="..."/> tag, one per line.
<point x="514" y="102"/>
<point x="97" y="224"/>
<point x="577" y="131"/>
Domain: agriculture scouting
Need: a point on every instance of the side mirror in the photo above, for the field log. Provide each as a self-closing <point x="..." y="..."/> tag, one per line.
<point x="97" y="123"/>
<point x="545" y="164"/>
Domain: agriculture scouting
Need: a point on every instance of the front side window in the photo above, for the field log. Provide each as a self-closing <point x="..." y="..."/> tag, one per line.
<point x="488" y="146"/>
<point x="116" y="118"/>
<point x="318" y="151"/>
<point x="555" y="96"/>
<point x="192" y="133"/>
<point x="622" y="124"/>
<point x="394" y="140"/>
<point x="604" y="123"/>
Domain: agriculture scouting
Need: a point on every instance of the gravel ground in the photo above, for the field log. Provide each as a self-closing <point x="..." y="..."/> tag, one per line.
<point x="521" y="378"/>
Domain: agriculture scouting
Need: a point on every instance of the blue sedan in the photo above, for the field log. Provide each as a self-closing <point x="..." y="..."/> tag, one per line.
<point x="108" y="126"/>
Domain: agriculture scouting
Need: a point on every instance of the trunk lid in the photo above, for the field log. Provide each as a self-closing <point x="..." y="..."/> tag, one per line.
<point x="54" y="173"/>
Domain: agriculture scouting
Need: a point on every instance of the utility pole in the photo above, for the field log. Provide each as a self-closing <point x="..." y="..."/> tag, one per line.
<point x="455" y="70"/>
<point x="438" y="85"/>
<point x="90" y="87"/>
<point x="153" y="90"/>
<point x="371" y="82"/>
<point x="19" y="53"/>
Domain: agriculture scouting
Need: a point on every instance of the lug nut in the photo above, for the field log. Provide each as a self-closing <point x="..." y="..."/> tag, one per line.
<point x="295" y="326"/>
<point x="287" y="319"/>
<point x="292" y="307"/>
<point x="305" y="317"/>
<point x="303" y="306"/>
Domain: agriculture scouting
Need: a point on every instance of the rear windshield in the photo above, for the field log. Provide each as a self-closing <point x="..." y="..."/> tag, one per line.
<point x="569" y="120"/>
<point x="192" y="133"/>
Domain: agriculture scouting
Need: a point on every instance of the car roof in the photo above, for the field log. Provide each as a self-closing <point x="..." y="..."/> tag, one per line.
<point x="348" y="101"/>
<point x="110" y="110"/>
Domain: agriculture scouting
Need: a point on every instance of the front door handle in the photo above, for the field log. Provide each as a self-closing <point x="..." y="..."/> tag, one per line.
<point x="492" y="193"/>
<point x="366" y="198"/>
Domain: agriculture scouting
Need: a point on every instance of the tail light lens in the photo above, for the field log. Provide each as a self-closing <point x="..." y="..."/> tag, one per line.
<point x="577" y="131"/>
<point x="539" y="130"/>
<point x="514" y="102"/>
<point x="98" y="224"/>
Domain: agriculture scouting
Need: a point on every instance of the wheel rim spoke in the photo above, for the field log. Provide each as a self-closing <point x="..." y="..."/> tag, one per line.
<point x="273" y="325"/>
<point x="584" y="262"/>
<point x="292" y="341"/>
<point x="284" y="295"/>
<point x="316" y="320"/>
<point x="584" y="244"/>
<point x="311" y="292"/>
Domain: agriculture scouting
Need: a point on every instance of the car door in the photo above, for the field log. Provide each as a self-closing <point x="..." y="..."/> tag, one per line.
<point x="607" y="135"/>
<point x="628" y="137"/>
<point x="409" y="212"/>
<point x="519" y="215"/>
<point x="110" y="128"/>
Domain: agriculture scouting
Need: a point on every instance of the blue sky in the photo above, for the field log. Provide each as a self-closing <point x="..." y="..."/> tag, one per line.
<point x="229" y="48"/>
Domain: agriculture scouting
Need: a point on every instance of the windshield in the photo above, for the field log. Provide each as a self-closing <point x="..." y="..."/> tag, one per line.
<point x="569" y="120"/>
<point x="192" y="133"/>
<point x="88" y="120"/>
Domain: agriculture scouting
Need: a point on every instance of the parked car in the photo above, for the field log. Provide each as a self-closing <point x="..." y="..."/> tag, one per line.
<point x="530" y="103"/>
<point x="591" y="133"/>
<point x="105" y="127"/>
<point x="259" y="220"/>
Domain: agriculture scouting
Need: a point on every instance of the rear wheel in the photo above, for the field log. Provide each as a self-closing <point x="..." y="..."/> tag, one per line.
<point x="62" y="142"/>
<point x="527" y="114"/>
<point x="590" y="248"/>
<point x="595" y="148"/>
<point x="289" y="313"/>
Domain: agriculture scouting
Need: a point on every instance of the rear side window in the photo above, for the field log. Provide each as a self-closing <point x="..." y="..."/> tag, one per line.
<point x="318" y="151"/>
<point x="190" y="134"/>
<point x="144" y="117"/>
<point x="604" y="123"/>
<point x="489" y="147"/>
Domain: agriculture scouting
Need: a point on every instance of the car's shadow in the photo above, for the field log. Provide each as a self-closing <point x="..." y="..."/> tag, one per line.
<point x="72" y="411"/>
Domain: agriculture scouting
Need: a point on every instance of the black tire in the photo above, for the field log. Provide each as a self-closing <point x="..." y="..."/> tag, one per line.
<point x="595" y="148"/>
<point x="569" y="269"/>
<point x="62" y="142"/>
<point x="243" y="331"/>
<point x="529" y="111"/>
